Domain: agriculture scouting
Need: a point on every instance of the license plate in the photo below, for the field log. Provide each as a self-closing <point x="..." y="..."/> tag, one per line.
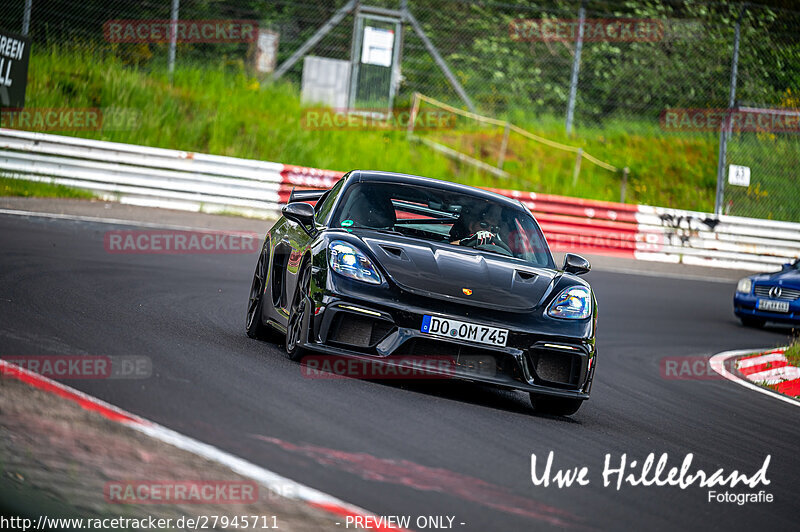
<point x="774" y="306"/>
<point x="461" y="330"/>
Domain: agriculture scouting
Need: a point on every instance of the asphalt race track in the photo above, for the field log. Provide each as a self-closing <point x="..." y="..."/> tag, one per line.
<point x="420" y="449"/>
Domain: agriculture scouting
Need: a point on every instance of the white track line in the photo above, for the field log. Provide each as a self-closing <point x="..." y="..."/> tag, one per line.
<point x="283" y="486"/>
<point x="718" y="364"/>
<point x="113" y="221"/>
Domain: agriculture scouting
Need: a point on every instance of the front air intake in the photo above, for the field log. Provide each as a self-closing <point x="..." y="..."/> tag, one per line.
<point x="557" y="366"/>
<point x="358" y="331"/>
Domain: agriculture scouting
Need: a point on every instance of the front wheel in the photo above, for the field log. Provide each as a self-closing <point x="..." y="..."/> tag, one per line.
<point x="557" y="406"/>
<point x="254" y="326"/>
<point x="298" y="313"/>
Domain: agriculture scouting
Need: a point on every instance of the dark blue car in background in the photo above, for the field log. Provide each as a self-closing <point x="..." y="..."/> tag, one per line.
<point x="769" y="297"/>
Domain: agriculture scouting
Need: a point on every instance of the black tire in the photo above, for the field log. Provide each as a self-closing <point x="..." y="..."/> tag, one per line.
<point x="557" y="406"/>
<point x="253" y="325"/>
<point x="297" y="314"/>
<point x="752" y="322"/>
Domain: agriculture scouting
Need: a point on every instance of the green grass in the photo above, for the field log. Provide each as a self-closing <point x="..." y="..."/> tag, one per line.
<point x="220" y="111"/>
<point x="225" y="111"/>
<point x="10" y="186"/>
<point x="792" y="353"/>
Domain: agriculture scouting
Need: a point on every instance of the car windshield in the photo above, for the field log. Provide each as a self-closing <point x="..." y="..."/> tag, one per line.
<point x="443" y="216"/>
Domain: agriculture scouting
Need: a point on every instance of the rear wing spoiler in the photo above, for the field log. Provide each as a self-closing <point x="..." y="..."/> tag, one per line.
<point x="305" y="195"/>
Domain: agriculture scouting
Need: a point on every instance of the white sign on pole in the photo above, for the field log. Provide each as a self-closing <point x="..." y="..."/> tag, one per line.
<point x="377" y="48"/>
<point x="266" y="51"/>
<point x="739" y="175"/>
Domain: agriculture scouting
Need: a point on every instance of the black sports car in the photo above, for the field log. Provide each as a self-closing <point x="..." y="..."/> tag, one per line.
<point x="403" y="269"/>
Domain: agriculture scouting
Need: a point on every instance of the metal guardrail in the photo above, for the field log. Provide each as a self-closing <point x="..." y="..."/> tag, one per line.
<point x="143" y="175"/>
<point x="210" y="183"/>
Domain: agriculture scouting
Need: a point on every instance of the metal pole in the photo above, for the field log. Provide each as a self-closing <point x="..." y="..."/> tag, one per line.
<point x="439" y="61"/>
<point x="173" y="37"/>
<point x="725" y="130"/>
<point x="413" y="116"/>
<point x="624" y="187"/>
<point x="26" y="17"/>
<point x="314" y="39"/>
<point x="501" y="158"/>
<point x="576" y="67"/>
<point x="355" y="59"/>
<point x="398" y="46"/>
<point x="577" y="169"/>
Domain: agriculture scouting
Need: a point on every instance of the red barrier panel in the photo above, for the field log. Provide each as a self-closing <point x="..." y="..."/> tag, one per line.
<point x="309" y="177"/>
<point x="301" y="176"/>
<point x="570" y="224"/>
<point x="584" y="222"/>
<point x="550" y="198"/>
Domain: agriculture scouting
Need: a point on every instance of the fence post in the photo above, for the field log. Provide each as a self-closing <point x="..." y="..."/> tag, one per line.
<point x="26" y="18"/>
<point x="412" y="118"/>
<point x="576" y="66"/>
<point x="624" y="187"/>
<point x="577" y="169"/>
<point x="173" y="37"/>
<point x="501" y="158"/>
<point x="725" y="129"/>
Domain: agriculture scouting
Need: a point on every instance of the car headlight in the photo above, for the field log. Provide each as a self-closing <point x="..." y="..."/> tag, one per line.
<point x="745" y="285"/>
<point x="349" y="261"/>
<point x="573" y="303"/>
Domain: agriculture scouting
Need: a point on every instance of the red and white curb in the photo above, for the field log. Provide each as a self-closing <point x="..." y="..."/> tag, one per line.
<point x="773" y="369"/>
<point x="275" y="483"/>
<point x="766" y="366"/>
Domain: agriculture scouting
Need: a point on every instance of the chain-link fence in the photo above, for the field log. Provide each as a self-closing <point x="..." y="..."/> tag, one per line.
<point x="768" y="161"/>
<point x="614" y="67"/>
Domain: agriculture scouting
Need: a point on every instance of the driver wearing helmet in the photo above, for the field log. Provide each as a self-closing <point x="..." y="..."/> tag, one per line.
<point x="476" y="226"/>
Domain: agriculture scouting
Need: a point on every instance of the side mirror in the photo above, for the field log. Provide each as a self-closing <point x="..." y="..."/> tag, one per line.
<point x="302" y="213"/>
<point x="576" y="264"/>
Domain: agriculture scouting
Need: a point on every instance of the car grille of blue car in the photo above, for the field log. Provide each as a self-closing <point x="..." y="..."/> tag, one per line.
<point x="788" y="294"/>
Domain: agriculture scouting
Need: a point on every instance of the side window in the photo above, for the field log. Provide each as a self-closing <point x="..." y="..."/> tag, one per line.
<point x="325" y="203"/>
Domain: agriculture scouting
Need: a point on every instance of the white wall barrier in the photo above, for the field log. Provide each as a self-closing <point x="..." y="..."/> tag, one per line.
<point x="210" y="183"/>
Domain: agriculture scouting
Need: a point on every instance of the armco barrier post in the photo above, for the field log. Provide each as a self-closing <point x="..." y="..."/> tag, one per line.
<point x="26" y="18"/>
<point x="624" y="186"/>
<point x="173" y="37"/>
<point x="503" y="146"/>
<point x="413" y="117"/>
<point x="725" y="130"/>
<point x="577" y="169"/>
<point x="576" y="66"/>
